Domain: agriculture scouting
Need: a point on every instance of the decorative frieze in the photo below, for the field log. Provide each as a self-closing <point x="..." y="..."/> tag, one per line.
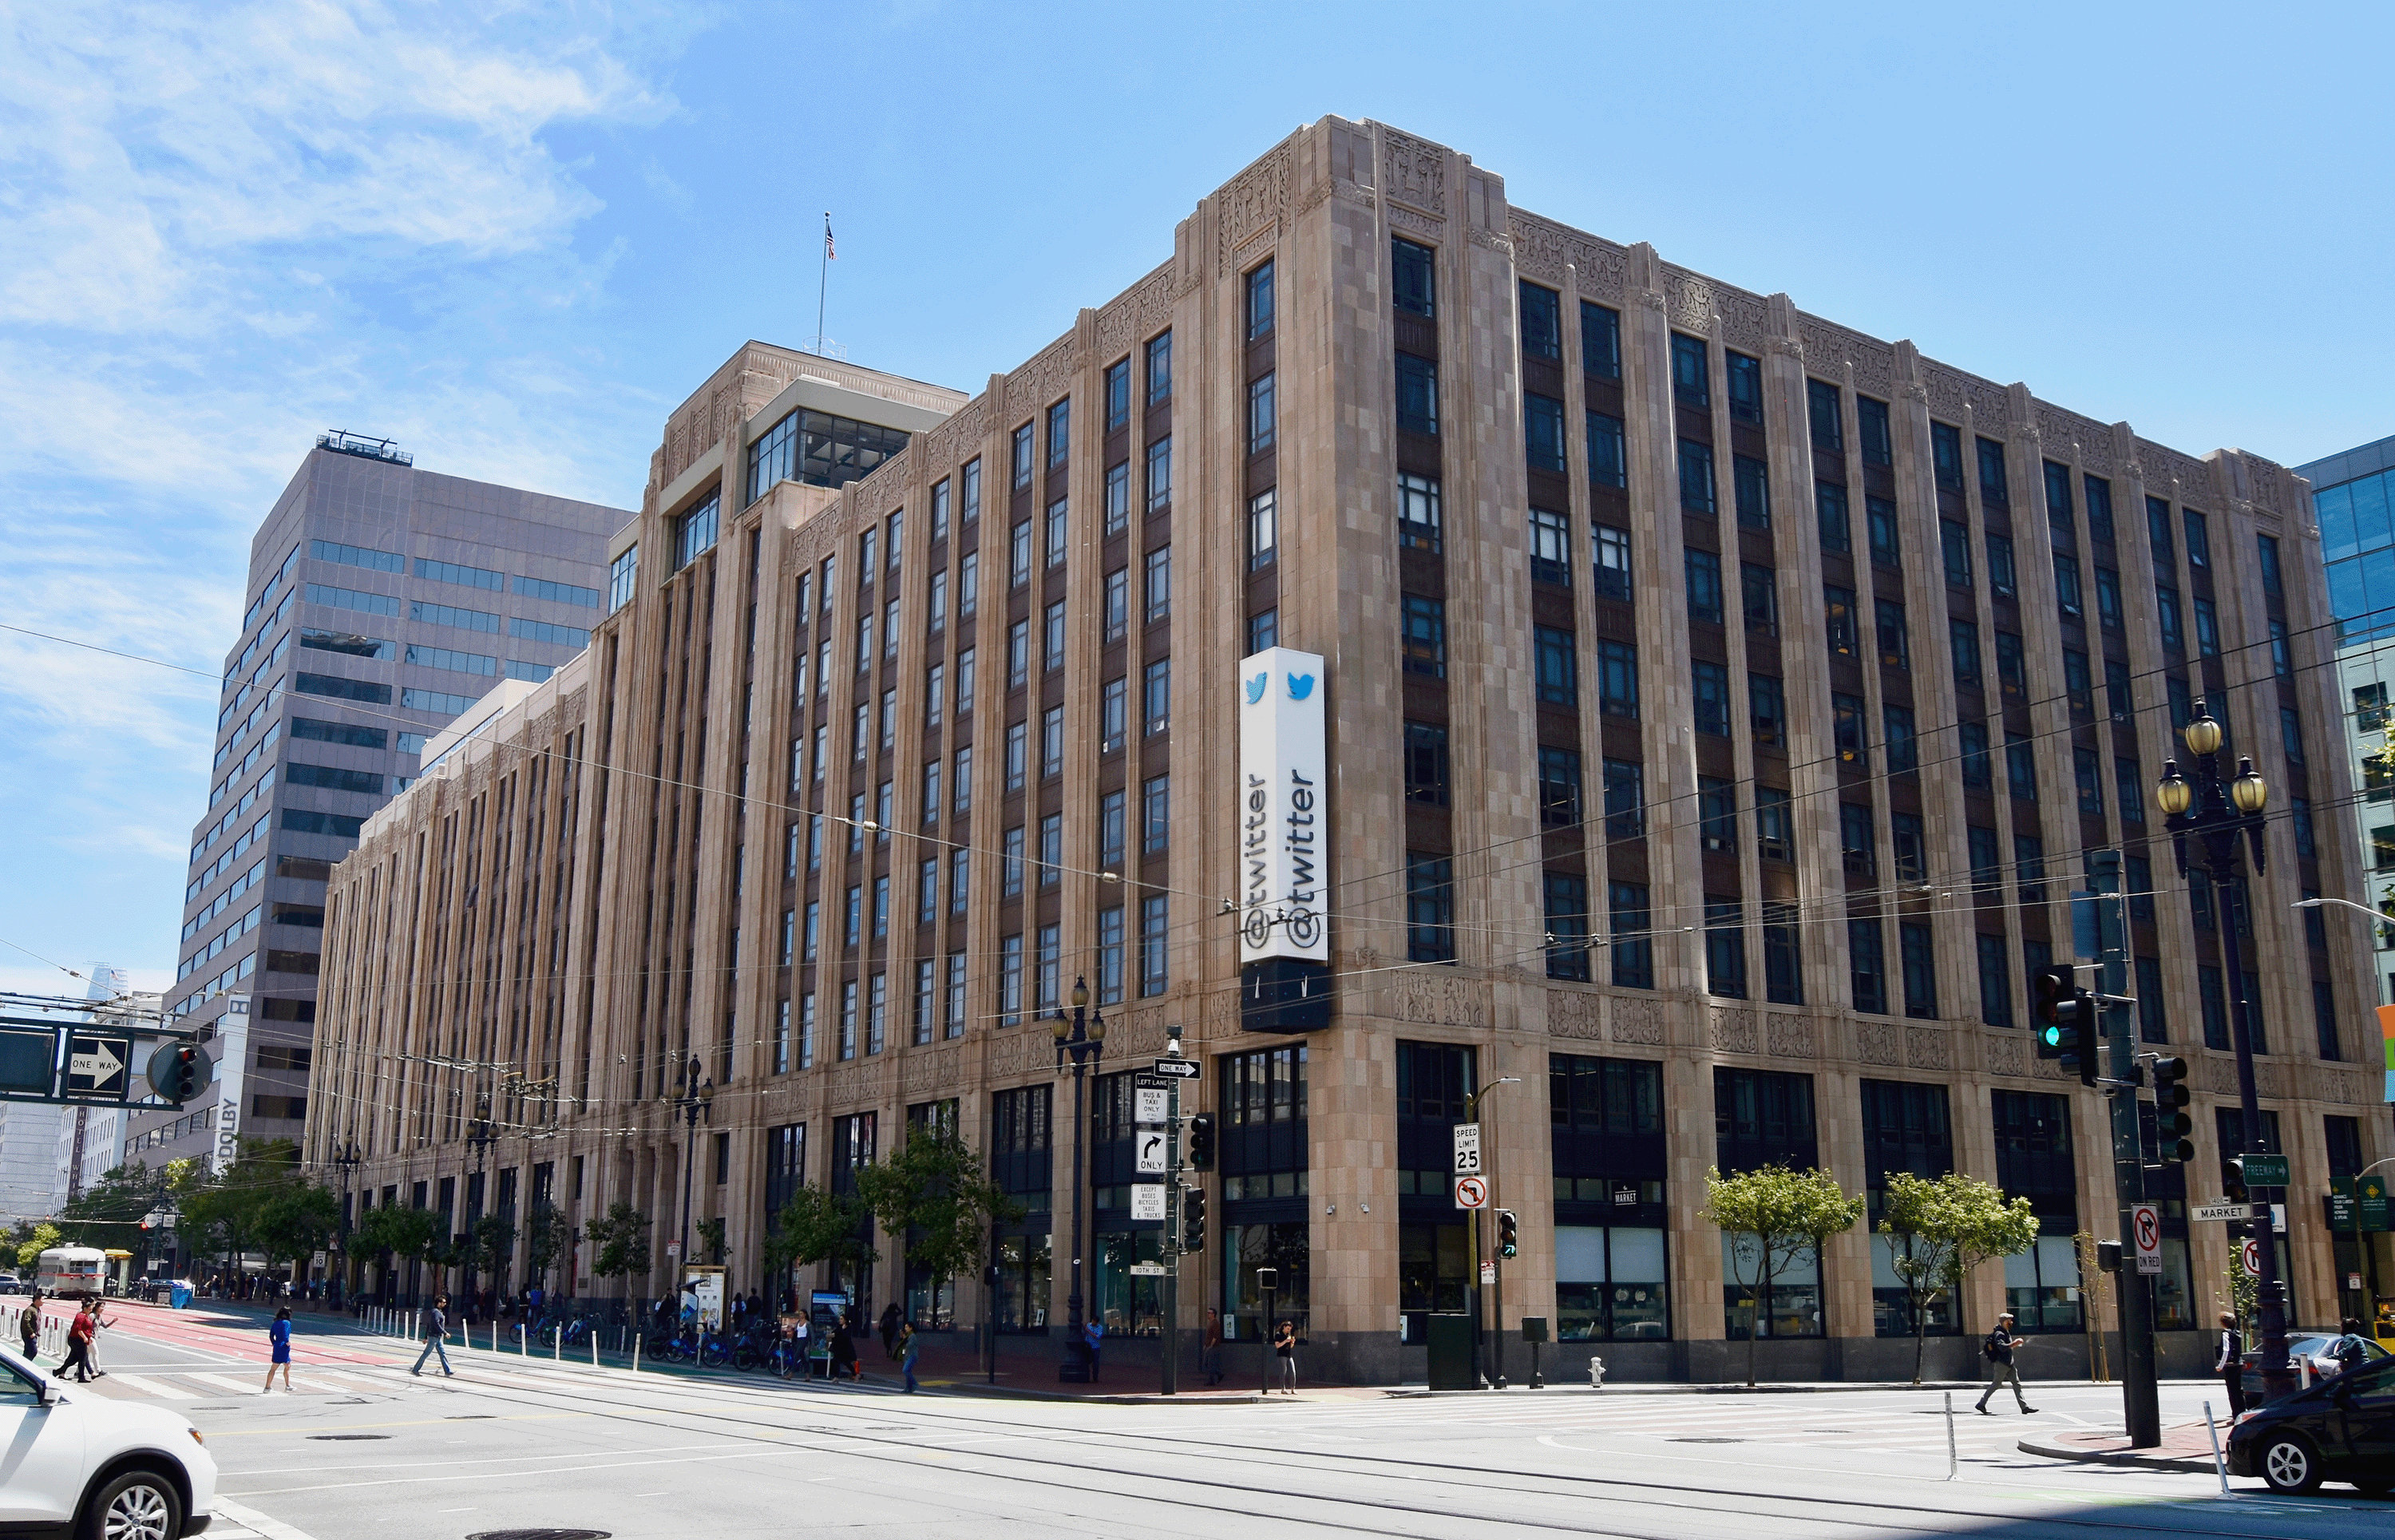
<point x="1639" y="1021"/>
<point x="1734" y="1030"/>
<point x="1928" y="1048"/>
<point x="1253" y="202"/>
<point x="1413" y="172"/>
<point x="1875" y="1042"/>
<point x="1790" y="1036"/>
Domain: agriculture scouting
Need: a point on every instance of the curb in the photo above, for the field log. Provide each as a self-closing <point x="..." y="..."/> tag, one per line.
<point x="2127" y="1458"/>
<point x="1828" y="1388"/>
<point x="1147" y="1398"/>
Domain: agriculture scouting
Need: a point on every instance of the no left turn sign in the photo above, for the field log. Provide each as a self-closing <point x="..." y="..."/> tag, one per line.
<point x="1471" y="1192"/>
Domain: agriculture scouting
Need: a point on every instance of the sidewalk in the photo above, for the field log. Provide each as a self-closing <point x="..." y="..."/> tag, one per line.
<point x="2186" y="1447"/>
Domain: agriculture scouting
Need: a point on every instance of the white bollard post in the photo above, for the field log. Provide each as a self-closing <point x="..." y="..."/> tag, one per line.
<point x="636" y="1352"/>
<point x="594" y="1349"/>
<point x="557" y="1343"/>
<point x="1952" y="1464"/>
<point x="2219" y="1464"/>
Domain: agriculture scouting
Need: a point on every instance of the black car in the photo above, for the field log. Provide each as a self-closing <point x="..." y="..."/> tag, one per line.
<point x="2340" y="1429"/>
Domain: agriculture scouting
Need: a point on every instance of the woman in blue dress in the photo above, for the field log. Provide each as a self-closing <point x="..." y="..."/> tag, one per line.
<point x="279" y="1333"/>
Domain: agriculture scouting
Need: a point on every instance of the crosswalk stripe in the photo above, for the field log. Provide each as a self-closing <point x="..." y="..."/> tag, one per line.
<point x="151" y="1387"/>
<point x="221" y="1383"/>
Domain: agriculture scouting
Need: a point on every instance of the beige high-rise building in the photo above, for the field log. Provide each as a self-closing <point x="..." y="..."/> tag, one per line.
<point x="1716" y="704"/>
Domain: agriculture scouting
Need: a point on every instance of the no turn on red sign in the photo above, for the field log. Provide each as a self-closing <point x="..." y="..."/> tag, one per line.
<point x="2146" y="1232"/>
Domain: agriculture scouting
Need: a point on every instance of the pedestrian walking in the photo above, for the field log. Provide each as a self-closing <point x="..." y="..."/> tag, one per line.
<point x="28" y="1326"/>
<point x="436" y="1336"/>
<point x="78" y="1357"/>
<point x="1211" y="1345"/>
<point x="277" y="1337"/>
<point x="2228" y="1362"/>
<point x="892" y="1319"/>
<point x="1285" y="1351"/>
<point x="1093" y="1331"/>
<point x="1998" y="1351"/>
<point x="99" y="1322"/>
<point x="908" y="1350"/>
<point x="843" y="1352"/>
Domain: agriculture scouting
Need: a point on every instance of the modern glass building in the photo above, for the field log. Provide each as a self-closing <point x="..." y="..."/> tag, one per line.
<point x="2353" y="495"/>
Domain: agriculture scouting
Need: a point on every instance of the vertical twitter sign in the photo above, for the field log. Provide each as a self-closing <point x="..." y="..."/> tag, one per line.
<point x="1284" y="821"/>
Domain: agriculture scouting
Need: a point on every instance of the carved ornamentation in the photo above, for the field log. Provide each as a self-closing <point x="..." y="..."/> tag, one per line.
<point x="2219" y="1075"/>
<point x="1489" y="239"/>
<point x="2006" y="1056"/>
<point x="1255" y="200"/>
<point x="1222" y="1014"/>
<point x="1991" y="408"/>
<point x="1928" y="1048"/>
<point x="1135" y="313"/>
<point x="1791" y="1037"/>
<point x="1316" y="196"/>
<point x="1413" y="172"/>
<point x="1945" y="388"/>
<point x="1355" y="193"/>
<point x="1824" y="348"/>
<point x="1006" y="1056"/>
<point x="1573" y="1014"/>
<point x="1744" y="317"/>
<point x="1638" y="1021"/>
<point x="1691" y="302"/>
<point x="1541" y="251"/>
<point x="1654" y="299"/>
<point x="1875" y="1042"/>
<point x="1443" y="1001"/>
<point x="1785" y="347"/>
<point x="1032" y="387"/>
<point x="1420" y="224"/>
<point x="1874" y="364"/>
<point x="1734" y="1032"/>
<point x="2044" y="1069"/>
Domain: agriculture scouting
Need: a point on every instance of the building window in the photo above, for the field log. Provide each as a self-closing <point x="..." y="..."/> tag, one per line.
<point x="1630" y="931"/>
<point x="1857" y="845"/>
<point x="1992" y="487"/>
<point x="1847" y="731"/>
<point x="1567" y="907"/>
<point x="1895" y="649"/>
<point x="1745" y="387"/>
<point x="1118" y="388"/>
<point x="1159" y="475"/>
<point x="1157" y="697"/>
<point x="1117" y="604"/>
<point x="1611" y="548"/>
<point x="1550" y="547"/>
<point x="1759" y="598"/>
<point x="623" y="576"/>
<point x="1617" y="671"/>
<point x="1424" y="638"/>
<point x="1430" y="907"/>
<point x="1414" y="277"/>
<point x="1152" y="972"/>
<point x="1159" y="367"/>
<point x="1559" y="786"/>
<point x="1263" y="529"/>
<point x="1426" y="763"/>
<point x="2000" y="567"/>
<point x="1260" y="415"/>
<point x="1060" y="432"/>
<point x="1910" y="846"/>
<point x="1691" y="384"/>
<point x="1750" y="480"/>
<point x="1600" y="340"/>
<point x="1775" y="835"/>
<point x="1418" y="512"/>
<point x="1022" y="457"/>
<point x="1767" y="709"/>
<point x="2207" y="628"/>
<point x="1543" y="432"/>
<point x="1830" y="516"/>
<point x="1879" y="523"/>
<point x="1903" y="751"/>
<point x="1558" y="667"/>
<point x="1711" y="683"/>
<point x="1783" y="973"/>
<point x="1946" y="456"/>
<point x="1724" y="946"/>
<point x="1260" y="300"/>
<point x="1608" y="457"/>
<point x="1696" y="477"/>
<point x="2021" y="766"/>
<point x="1052" y="742"/>
<point x="1867" y="966"/>
<point x="695" y="531"/>
<point x="1919" y="963"/>
<point x="1879" y="446"/>
<point x="1155" y="815"/>
<point x="1625" y="798"/>
<point x="1954" y="542"/>
<point x="1717" y="813"/>
<point x="1159" y="587"/>
<point x="1542" y="326"/>
<point x="2291" y="734"/>
<point x="1417" y="394"/>
<point x="1821" y="411"/>
<point x="1010" y="981"/>
<point x="1704" y="585"/>
<point x="1995" y="981"/>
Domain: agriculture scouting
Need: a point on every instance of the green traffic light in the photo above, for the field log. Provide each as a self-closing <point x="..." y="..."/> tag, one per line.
<point x="2050" y="1036"/>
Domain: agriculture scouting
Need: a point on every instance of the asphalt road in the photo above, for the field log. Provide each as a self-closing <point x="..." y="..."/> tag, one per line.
<point x="366" y="1450"/>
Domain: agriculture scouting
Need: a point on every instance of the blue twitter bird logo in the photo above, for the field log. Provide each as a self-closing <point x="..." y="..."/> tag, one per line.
<point x="1256" y="687"/>
<point x="1300" y="686"/>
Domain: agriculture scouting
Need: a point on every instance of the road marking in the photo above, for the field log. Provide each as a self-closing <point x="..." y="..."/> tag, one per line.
<point x="271" y="1529"/>
<point x="151" y="1387"/>
<point x="239" y="1387"/>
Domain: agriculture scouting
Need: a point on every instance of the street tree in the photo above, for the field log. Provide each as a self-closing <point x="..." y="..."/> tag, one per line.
<point x="620" y="1238"/>
<point x="295" y="1221"/>
<point x="710" y="1237"/>
<point x="547" y="1236"/>
<point x="935" y="1194"/>
<point x="38" y="1237"/>
<point x="494" y="1244"/>
<point x="398" y="1234"/>
<point x="817" y="1225"/>
<point x="1779" y="1215"/>
<point x="1936" y="1229"/>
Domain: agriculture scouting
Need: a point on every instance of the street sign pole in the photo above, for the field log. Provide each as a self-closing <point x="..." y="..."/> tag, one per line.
<point x="2132" y="1287"/>
<point x="1172" y="1244"/>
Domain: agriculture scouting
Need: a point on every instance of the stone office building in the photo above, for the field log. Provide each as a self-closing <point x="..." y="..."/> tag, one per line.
<point x="1717" y="702"/>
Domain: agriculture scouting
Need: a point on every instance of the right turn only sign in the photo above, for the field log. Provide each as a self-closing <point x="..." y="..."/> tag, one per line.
<point x="2146" y="1230"/>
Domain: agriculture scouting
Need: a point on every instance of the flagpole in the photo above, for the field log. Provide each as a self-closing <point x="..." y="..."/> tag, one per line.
<point x="823" y="280"/>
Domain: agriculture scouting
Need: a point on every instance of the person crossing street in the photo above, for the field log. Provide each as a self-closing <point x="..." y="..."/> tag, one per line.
<point x="1998" y="1350"/>
<point x="436" y="1336"/>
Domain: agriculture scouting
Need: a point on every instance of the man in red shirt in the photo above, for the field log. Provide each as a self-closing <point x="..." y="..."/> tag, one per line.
<point x="79" y="1335"/>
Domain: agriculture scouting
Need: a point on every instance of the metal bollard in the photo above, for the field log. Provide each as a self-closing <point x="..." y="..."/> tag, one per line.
<point x="1952" y="1463"/>
<point x="1595" y="1373"/>
<point x="2217" y="1463"/>
<point x="594" y="1349"/>
<point x="636" y="1352"/>
<point x="557" y="1344"/>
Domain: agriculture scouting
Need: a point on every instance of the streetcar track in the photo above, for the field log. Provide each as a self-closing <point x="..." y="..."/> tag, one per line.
<point x="1478" y="1480"/>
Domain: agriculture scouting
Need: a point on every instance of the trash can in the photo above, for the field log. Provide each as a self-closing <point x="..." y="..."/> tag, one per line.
<point x="179" y="1295"/>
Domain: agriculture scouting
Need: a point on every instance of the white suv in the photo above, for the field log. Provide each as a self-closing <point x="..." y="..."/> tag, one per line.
<point x="75" y="1467"/>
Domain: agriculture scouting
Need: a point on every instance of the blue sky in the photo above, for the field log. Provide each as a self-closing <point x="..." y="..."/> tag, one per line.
<point x="514" y="235"/>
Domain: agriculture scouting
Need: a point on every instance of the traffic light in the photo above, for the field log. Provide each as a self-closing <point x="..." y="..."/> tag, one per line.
<point x="180" y="1071"/>
<point x="1508" y="1235"/>
<point x="2171" y="1125"/>
<point x="2066" y="1017"/>
<point x="2233" y="1180"/>
<point x="2107" y="1257"/>
<point x="1201" y="1142"/>
<point x="1193" y="1219"/>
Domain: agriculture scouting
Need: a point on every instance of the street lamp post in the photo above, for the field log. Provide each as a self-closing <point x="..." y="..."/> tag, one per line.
<point x="1082" y="1036"/>
<point x="2217" y="811"/>
<point x="348" y="1159"/>
<point x="698" y="1101"/>
<point x="481" y="1136"/>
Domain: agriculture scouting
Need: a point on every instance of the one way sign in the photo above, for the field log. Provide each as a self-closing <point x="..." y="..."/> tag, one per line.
<point x="96" y="1065"/>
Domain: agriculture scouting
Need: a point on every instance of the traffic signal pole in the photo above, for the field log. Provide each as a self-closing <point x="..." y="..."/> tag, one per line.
<point x="2141" y="1399"/>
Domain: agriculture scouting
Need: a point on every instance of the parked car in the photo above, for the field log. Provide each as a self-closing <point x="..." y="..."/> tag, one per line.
<point x="74" y="1464"/>
<point x="9" y="1284"/>
<point x="2340" y="1429"/>
<point x="2302" y="1348"/>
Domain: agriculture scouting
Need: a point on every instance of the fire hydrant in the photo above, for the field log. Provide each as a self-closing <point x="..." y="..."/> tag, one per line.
<point x="1595" y="1374"/>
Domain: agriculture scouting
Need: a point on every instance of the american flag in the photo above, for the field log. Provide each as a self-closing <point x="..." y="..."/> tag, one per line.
<point x="829" y="253"/>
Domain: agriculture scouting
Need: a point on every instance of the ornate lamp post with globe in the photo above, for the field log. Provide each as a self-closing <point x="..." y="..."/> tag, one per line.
<point x="2216" y="811"/>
